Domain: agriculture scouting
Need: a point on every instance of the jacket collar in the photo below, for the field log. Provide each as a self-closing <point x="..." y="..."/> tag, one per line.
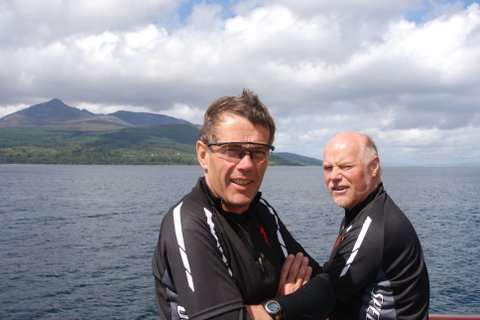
<point x="217" y="201"/>
<point x="353" y="212"/>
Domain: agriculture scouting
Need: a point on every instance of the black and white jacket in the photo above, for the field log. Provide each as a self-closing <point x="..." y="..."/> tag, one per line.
<point x="376" y="269"/>
<point x="208" y="263"/>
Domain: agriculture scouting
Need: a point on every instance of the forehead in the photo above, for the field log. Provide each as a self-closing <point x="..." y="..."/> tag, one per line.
<point x="342" y="150"/>
<point x="232" y="127"/>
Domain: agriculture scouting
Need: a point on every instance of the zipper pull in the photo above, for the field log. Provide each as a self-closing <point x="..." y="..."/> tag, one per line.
<point x="260" y="262"/>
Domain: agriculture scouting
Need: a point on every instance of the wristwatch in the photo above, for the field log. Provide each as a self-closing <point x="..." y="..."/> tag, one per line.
<point x="273" y="308"/>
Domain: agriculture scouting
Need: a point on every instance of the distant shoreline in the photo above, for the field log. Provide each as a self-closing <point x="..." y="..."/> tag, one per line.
<point x="196" y="164"/>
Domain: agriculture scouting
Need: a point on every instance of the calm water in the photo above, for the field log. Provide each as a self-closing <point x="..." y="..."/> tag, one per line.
<point x="76" y="241"/>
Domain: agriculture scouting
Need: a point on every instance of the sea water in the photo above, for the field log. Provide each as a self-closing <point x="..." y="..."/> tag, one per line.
<point x="76" y="241"/>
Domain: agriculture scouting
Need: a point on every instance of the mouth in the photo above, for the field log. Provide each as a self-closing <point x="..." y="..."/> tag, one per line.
<point x="338" y="189"/>
<point x="241" y="182"/>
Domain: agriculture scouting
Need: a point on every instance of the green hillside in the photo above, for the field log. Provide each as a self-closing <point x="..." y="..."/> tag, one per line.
<point x="292" y="159"/>
<point x="53" y="132"/>
<point x="168" y="144"/>
<point x="171" y="144"/>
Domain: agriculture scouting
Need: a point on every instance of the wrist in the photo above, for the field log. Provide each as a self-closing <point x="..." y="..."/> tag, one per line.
<point x="273" y="309"/>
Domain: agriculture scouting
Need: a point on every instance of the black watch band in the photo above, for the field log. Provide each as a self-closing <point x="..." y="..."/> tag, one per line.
<point x="273" y="308"/>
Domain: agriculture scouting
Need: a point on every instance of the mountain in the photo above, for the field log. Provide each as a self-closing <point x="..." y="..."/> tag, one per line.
<point x="50" y="113"/>
<point x="145" y="119"/>
<point x="97" y="123"/>
<point x="293" y="159"/>
<point x="169" y="144"/>
<point x="57" y="115"/>
<point x="53" y="132"/>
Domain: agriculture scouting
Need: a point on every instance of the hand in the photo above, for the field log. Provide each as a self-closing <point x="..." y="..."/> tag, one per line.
<point x="295" y="273"/>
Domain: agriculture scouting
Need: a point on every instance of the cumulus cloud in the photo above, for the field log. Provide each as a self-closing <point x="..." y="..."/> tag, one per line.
<point x="402" y="70"/>
<point x="40" y="22"/>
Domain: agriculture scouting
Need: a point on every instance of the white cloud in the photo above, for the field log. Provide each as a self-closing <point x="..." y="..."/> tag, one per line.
<point x="321" y="66"/>
<point x="7" y="109"/>
<point x="102" y="108"/>
<point x="40" y="22"/>
<point x="205" y="17"/>
<point x="186" y="112"/>
<point x="430" y="146"/>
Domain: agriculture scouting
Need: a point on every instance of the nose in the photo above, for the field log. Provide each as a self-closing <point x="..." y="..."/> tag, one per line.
<point x="246" y="161"/>
<point x="335" y="175"/>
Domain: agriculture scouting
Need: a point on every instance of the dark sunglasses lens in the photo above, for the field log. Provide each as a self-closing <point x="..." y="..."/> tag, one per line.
<point x="237" y="151"/>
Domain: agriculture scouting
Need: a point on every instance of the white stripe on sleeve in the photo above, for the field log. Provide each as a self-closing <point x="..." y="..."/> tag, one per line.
<point x="279" y="234"/>
<point x="177" y="222"/>
<point x="210" y="223"/>
<point x="358" y="243"/>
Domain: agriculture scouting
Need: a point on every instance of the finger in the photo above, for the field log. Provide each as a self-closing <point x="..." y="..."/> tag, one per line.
<point x="296" y="264"/>
<point x="302" y="272"/>
<point x="304" y="267"/>
<point x="308" y="275"/>
<point x="286" y="268"/>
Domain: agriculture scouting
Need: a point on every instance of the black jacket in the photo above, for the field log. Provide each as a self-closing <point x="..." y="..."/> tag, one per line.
<point x="376" y="269"/>
<point x="209" y="263"/>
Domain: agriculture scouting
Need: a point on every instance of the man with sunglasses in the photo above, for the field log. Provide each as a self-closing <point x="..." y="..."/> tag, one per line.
<point x="222" y="247"/>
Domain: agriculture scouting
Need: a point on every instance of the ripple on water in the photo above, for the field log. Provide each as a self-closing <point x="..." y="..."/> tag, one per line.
<point x="76" y="241"/>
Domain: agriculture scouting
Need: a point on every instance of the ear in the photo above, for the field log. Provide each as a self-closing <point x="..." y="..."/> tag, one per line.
<point x="202" y="155"/>
<point x="375" y="167"/>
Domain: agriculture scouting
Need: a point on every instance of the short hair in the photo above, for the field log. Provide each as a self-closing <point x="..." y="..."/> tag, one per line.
<point x="248" y="105"/>
<point x="370" y="150"/>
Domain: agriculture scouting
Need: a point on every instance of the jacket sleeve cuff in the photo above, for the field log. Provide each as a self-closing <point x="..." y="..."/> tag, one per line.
<point x="315" y="300"/>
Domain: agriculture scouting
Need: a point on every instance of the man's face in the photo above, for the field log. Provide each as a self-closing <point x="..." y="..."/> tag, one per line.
<point x="347" y="177"/>
<point x="236" y="182"/>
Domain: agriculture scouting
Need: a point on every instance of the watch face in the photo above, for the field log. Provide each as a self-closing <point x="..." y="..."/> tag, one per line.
<point x="273" y="307"/>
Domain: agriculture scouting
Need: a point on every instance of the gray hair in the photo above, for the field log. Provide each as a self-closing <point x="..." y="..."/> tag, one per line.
<point x="248" y="105"/>
<point x="370" y="150"/>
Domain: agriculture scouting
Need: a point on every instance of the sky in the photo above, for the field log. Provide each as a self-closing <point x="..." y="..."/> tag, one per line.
<point x="406" y="72"/>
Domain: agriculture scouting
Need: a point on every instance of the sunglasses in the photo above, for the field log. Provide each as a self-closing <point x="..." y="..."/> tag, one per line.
<point x="235" y="151"/>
